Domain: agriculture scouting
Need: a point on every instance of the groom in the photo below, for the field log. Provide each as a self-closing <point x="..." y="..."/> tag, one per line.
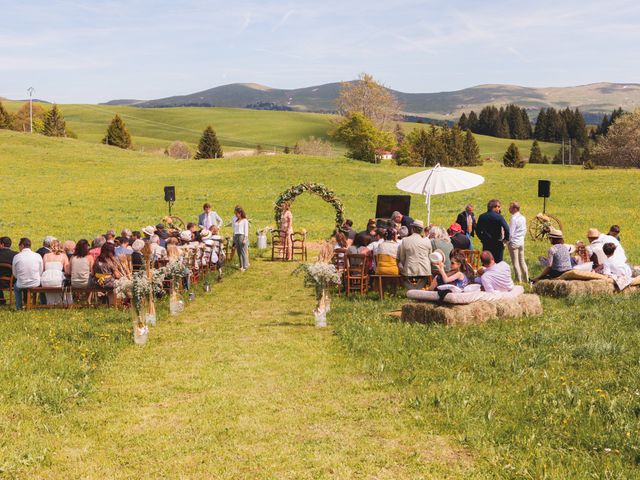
<point x="208" y="218"/>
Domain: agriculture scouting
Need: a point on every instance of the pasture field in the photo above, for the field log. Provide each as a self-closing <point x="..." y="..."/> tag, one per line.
<point x="155" y="128"/>
<point x="240" y="385"/>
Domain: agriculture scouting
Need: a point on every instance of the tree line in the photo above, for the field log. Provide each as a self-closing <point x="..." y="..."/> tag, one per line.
<point x="504" y="122"/>
<point x="47" y="122"/>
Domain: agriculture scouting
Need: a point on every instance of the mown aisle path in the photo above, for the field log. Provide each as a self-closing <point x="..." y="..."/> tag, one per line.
<point x="242" y="385"/>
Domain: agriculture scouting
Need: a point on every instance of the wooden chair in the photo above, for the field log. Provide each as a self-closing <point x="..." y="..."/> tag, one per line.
<point x="339" y="259"/>
<point x="277" y="248"/>
<point x="298" y="245"/>
<point x="8" y="279"/>
<point x="379" y="281"/>
<point x="473" y="258"/>
<point x="357" y="274"/>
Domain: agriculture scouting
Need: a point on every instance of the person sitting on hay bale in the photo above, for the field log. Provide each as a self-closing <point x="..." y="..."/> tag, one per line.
<point x="614" y="268"/>
<point x="558" y="257"/>
<point x="494" y="277"/>
<point x="457" y="276"/>
<point x="596" y="242"/>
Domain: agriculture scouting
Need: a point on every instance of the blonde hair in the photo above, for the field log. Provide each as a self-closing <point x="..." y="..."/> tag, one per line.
<point x="515" y="205"/>
<point x="173" y="251"/>
<point x="56" y="247"/>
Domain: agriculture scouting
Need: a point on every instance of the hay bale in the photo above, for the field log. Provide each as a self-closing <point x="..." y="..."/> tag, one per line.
<point x="530" y="304"/>
<point x="426" y="313"/>
<point x="508" y="308"/>
<point x="567" y="288"/>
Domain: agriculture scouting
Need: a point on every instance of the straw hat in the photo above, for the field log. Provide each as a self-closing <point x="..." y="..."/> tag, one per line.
<point x="208" y="243"/>
<point x="593" y="233"/>
<point x="417" y="223"/>
<point x="149" y="230"/>
<point x="138" y="245"/>
<point x="555" y="233"/>
<point x="204" y="234"/>
<point x="185" y="235"/>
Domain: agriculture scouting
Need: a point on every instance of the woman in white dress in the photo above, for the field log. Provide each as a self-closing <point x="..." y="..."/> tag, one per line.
<point x="56" y="266"/>
<point x="241" y="237"/>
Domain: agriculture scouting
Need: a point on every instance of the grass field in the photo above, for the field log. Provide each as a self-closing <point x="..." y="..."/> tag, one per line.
<point x="154" y="128"/>
<point x="240" y="386"/>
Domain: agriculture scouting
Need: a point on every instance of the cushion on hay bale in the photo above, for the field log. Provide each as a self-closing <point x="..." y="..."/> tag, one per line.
<point x="472" y="313"/>
<point x="464" y="297"/>
<point x="582" y="275"/>
<point x="567" y="288"/>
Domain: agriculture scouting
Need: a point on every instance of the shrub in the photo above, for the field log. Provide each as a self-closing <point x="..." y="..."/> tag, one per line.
<point x="313" y="146"/>
<point x="178" y="150"/>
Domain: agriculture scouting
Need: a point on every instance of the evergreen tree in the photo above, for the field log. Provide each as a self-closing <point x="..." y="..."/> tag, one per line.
<point x="540" y="130"/>
<point x="425" y="148"/>
<point x="503" y="128"/>
<point x="453" y="141"/>
<point x="5" y="117"/>
<point x="558" y="157"/>
<point x="545" y="159"/>
<point x="54" y="124"/>
<point x="117" y="134"/>
<point x="585" y="156"/>
<point x="209" y="146"/>
<point x="472" y="122"/>
<point x="398" y="132"/>
<point x="512" y="157"/>
<point x="471" y="150"/>
<point x="535" y="156"/>
<point x="463" y="123"/>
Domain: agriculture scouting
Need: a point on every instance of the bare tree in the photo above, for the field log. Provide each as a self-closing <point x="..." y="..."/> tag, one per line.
<point x="371" y="99"/>
<point x="313" y="146"/>
<point x="178" y="149"/>
<point x="621" y="145"/>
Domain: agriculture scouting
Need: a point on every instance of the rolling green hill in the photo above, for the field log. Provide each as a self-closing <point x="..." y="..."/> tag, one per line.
<point x="154" y="128"/>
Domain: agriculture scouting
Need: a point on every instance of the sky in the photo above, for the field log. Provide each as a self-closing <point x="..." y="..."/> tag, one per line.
<point x="75" y="51"/>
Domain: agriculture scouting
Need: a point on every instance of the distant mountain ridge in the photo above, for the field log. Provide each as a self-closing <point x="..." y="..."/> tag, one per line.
<point x="594" y="98"/>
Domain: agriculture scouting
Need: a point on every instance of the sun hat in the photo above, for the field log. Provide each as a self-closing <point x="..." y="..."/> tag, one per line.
<point x="208" y="243"/>
<point x="205" y="234"/>
<point x="455" y="228"/>
<point x="149" y="230"/>
<point x="417" y="223"/>
<point x="436" y="257"/>
<point x="593" y="233"/>
<point x="555" y="233"/>
<point x="185" y="235"/>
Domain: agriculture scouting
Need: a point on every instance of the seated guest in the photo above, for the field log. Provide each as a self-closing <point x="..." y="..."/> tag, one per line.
<point x="386" y="254"/>
<point x="401" y="220"/>
<point x="110" y="236"/>
<point x="403" y="232"/>
<point x="173" y="253"/>
<point x="458" y="238"/>
<point x="107" y="269"/>
<point x="98" y="242"/>
<point x="612" y="266"/>
<point x="157" y="252"/>
<point x="137" y="259"/>
<point x="370" y="231"/>
<point x="56" y="266"/>
<point x="135" y="235"/>
<point x="218" y="244"/>
<point x="558" y="257"/>
<point x="126" y="233"/>
<point x="162" y="233"/>
<point x="377" y="239"/>
<point x="148" y="231"/>
<point x="413" y="258"/>
<point x="6" y="257"/>
<point x="350" y="233"/>
<point x="494" y="277"/>
<point x="46" y="243"/>
<point x="580" y="254"/>
<point x="195" y="234"/>
<point x="69" y="247"/>
<point x="81" y="265"/>
<point x="456" y="276"/>
<point x="614" y="232"/>
<point x="597" y="241"/>
<point x="341" y="240"/>
<point x="359" y="247"/>
<point x="27" y="269"/>
<point x="123" y="248"/>
<point x="440" y="241"/>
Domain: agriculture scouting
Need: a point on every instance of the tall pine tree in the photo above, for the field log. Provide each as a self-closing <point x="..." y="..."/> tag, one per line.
<point x="54" y="124"/>
<point x="471" y="150"/>
<point x="463" y="123"/>
<point x="117" y="134"/>
<point x="5" y="117"/>
<point x="472" y="122"/>
<point x="512" y="157"/>
<point x="535" y="156"/>
<point x="209" y="146"/>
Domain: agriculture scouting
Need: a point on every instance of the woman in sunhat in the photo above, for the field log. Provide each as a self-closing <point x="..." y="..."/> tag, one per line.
<point x="558" y="257"/>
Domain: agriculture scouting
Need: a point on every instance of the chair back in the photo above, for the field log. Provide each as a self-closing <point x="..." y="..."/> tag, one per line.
<point x="473" y="258"/>
<point x="298" y="244"/>
<point x="356" y="265"/>
<point x="339" y="259"/>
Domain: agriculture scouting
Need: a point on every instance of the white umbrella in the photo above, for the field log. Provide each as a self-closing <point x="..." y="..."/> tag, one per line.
<point x="438" y="180"/>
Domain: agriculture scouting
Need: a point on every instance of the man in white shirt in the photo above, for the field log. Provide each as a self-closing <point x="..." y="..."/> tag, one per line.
<point x="27" y="270"/>
<point x="494" y="277"/>
<point x="517" y="234"/>
<point x="157" y="252"/>
<point x="597" y="241"/>
<point x="208" y="218"/>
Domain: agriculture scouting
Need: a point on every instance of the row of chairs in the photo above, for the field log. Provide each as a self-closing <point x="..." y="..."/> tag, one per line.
<point x="355" y="271"/>
<point x="288" y="246"/>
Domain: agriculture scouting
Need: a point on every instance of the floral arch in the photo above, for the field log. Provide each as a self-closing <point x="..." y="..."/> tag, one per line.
<point x="288" y="196"/>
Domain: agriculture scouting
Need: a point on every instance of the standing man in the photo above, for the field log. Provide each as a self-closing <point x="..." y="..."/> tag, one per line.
<point x="401" y="220"/>
<point x="413" y="258"/>
<point x="517" y="233"/>
<point x="208" y="218"/>
<point x="27" y="269"/>
<point x="467" y="221"/>
<point x="492" y="230"/>
<point x="6" y="257"/>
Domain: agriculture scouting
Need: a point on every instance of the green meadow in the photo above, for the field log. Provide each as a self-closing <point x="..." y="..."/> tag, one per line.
<point x="155" y="128"/>
<point x="241" y="385"/>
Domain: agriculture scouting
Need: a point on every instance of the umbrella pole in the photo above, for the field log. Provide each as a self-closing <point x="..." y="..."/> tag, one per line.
<point x="428" y="209"/>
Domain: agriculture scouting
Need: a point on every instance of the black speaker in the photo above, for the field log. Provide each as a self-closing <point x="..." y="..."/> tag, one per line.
<point x="544" y="188"/>
<point x="387" y="204"/>
<point x="170" y="194"/>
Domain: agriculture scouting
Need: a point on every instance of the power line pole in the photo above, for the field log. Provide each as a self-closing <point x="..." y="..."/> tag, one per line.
<point x="31" y="90"/>
<point x="563" y="151"/>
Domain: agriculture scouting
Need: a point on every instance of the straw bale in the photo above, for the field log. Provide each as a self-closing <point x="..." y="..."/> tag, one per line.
<point x="566" y="288"/>
<point x="425" y="312"/>
<point x="508" y="308"/>
<point x="530" y="304"/>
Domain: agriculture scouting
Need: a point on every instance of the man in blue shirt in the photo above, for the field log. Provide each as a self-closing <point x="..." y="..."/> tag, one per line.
<point x="493" y="230"/>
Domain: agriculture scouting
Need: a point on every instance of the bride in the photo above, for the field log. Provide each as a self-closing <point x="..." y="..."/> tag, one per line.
<point x="56" y="266"/>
